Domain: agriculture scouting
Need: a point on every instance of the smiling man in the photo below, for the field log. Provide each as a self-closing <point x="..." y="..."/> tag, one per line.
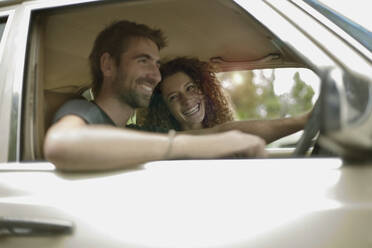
<point x="125" y="70"/>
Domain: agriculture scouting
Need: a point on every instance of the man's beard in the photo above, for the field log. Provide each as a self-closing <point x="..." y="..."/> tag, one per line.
<point x="131" y="97"/>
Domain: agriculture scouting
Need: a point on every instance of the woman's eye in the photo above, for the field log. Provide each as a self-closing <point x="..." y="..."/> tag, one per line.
<point x="191" y="87"/>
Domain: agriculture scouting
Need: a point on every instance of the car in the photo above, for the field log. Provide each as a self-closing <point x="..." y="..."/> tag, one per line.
<point x="308" y="196"/>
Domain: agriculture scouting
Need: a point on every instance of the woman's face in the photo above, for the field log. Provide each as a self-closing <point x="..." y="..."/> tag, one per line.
<point x="184" y="100"/>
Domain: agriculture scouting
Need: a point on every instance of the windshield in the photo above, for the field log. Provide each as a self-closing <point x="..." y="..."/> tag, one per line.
<point x="351" y="16"/>
<point x="356" y="10"/>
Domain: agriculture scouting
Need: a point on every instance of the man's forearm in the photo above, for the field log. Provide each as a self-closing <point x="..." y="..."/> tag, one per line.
<point x="102" y="148"/>
<point x="73" y="145"/>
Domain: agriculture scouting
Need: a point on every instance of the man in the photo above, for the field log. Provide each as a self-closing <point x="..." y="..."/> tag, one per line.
<point x="125" y="69"/>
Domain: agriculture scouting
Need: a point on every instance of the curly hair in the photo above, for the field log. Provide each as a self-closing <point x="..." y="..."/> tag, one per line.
<point x="114" y="40"/>
<point x="217" y="106"/>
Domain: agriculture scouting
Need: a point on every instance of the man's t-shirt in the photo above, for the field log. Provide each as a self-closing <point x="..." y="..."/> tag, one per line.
<point x="91" y="113"/>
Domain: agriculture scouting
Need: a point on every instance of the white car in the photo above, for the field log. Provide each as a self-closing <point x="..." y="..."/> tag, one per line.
<point x="294" y="198"/>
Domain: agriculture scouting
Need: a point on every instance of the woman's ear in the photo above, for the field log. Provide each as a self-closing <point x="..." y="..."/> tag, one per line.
<point x="108" y="66"/>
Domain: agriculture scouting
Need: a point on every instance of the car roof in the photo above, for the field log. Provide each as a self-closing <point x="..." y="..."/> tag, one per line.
<point x="207" y="29"/>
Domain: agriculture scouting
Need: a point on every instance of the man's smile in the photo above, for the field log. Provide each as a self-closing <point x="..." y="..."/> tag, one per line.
<point x="147" y="88"/>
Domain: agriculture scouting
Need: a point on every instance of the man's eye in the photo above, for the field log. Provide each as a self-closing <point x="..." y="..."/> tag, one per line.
<point x="172" y="98"/>
<point x="143" y="60"/>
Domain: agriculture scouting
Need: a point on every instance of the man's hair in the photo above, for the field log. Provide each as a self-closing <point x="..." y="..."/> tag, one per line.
<point x="218" y="107"/>
<point x="114" y="40"/>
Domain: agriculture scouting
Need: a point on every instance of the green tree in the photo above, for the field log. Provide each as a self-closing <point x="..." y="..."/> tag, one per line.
<point x="243" y="94"/>
<point x="267" y="100"/>
<point x="301" y="95"/>
<point x="253" y="95"/>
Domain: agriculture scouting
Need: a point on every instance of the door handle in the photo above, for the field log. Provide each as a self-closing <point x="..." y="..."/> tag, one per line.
<point x="13" y="226"/>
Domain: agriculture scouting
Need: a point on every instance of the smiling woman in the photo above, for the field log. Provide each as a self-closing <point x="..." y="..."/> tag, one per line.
<point x="184" y="100"/>
<point x="189" y="97"/>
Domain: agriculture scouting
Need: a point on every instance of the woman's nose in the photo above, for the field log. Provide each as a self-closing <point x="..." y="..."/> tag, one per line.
<point x="186" y="100"/>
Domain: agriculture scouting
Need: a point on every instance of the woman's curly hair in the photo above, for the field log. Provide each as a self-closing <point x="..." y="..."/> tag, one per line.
<point x="217" y="106"/>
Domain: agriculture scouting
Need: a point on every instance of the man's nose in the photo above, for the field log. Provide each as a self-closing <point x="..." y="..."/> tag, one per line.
<point x="154" y="74"/>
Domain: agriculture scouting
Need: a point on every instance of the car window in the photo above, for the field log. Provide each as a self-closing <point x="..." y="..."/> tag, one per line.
<point x="65" y="72"/>
<point x="2" y="26"/>
<point x="272" y="93"/>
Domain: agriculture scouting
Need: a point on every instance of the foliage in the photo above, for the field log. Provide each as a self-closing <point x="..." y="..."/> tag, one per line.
<point x="253" y="95"/>
<point x="300" y="96"/>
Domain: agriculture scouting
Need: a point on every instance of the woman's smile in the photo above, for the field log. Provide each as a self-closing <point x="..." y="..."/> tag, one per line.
<point x="192" y="111"/>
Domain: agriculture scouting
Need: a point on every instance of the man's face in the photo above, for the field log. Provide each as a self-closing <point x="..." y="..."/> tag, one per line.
<point x="138" y="73"/>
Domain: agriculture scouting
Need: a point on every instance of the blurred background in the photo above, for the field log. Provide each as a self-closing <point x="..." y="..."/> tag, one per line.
<point x="271" y="93"/>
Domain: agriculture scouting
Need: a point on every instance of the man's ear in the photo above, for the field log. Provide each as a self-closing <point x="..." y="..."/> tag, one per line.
<point x="108" y="66"/>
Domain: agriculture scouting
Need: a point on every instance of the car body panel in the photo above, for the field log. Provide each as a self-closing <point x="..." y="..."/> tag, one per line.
<point x="212" y="203"/>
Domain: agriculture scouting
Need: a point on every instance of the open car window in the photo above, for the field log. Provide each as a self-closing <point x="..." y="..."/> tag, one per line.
<point x="61" y="37"/>
<point x="61" y="40"/>
<point x="270" y="94"/>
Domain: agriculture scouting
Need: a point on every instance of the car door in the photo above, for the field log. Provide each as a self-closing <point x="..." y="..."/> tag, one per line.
<point x="187" y="203"/>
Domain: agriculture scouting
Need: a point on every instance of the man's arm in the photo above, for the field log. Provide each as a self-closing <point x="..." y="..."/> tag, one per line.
<point x="71" y="144"/>
<point x="269" y="130"/>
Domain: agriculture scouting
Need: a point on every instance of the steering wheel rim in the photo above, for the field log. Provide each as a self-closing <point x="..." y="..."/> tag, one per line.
<point x="311" y="129"/>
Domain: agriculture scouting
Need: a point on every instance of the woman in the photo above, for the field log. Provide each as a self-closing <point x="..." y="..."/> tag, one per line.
<point x="190" y="98"/>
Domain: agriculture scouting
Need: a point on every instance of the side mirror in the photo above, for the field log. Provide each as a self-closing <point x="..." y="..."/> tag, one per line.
<point x="346" y="115"/>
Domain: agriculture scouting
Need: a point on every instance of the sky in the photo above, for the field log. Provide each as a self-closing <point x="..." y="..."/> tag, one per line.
<point x="283" y="75"/>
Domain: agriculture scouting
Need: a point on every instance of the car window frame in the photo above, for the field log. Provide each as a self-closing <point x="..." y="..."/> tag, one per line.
<point x="6" y="14"/>
<point x="20" y="18"/>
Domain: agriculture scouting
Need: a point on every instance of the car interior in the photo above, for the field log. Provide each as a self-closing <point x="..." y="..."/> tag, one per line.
<point x="57" y="69"/>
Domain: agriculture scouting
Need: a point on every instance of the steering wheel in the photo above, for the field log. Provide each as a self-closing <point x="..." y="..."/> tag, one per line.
<point x="311" y="129"/>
